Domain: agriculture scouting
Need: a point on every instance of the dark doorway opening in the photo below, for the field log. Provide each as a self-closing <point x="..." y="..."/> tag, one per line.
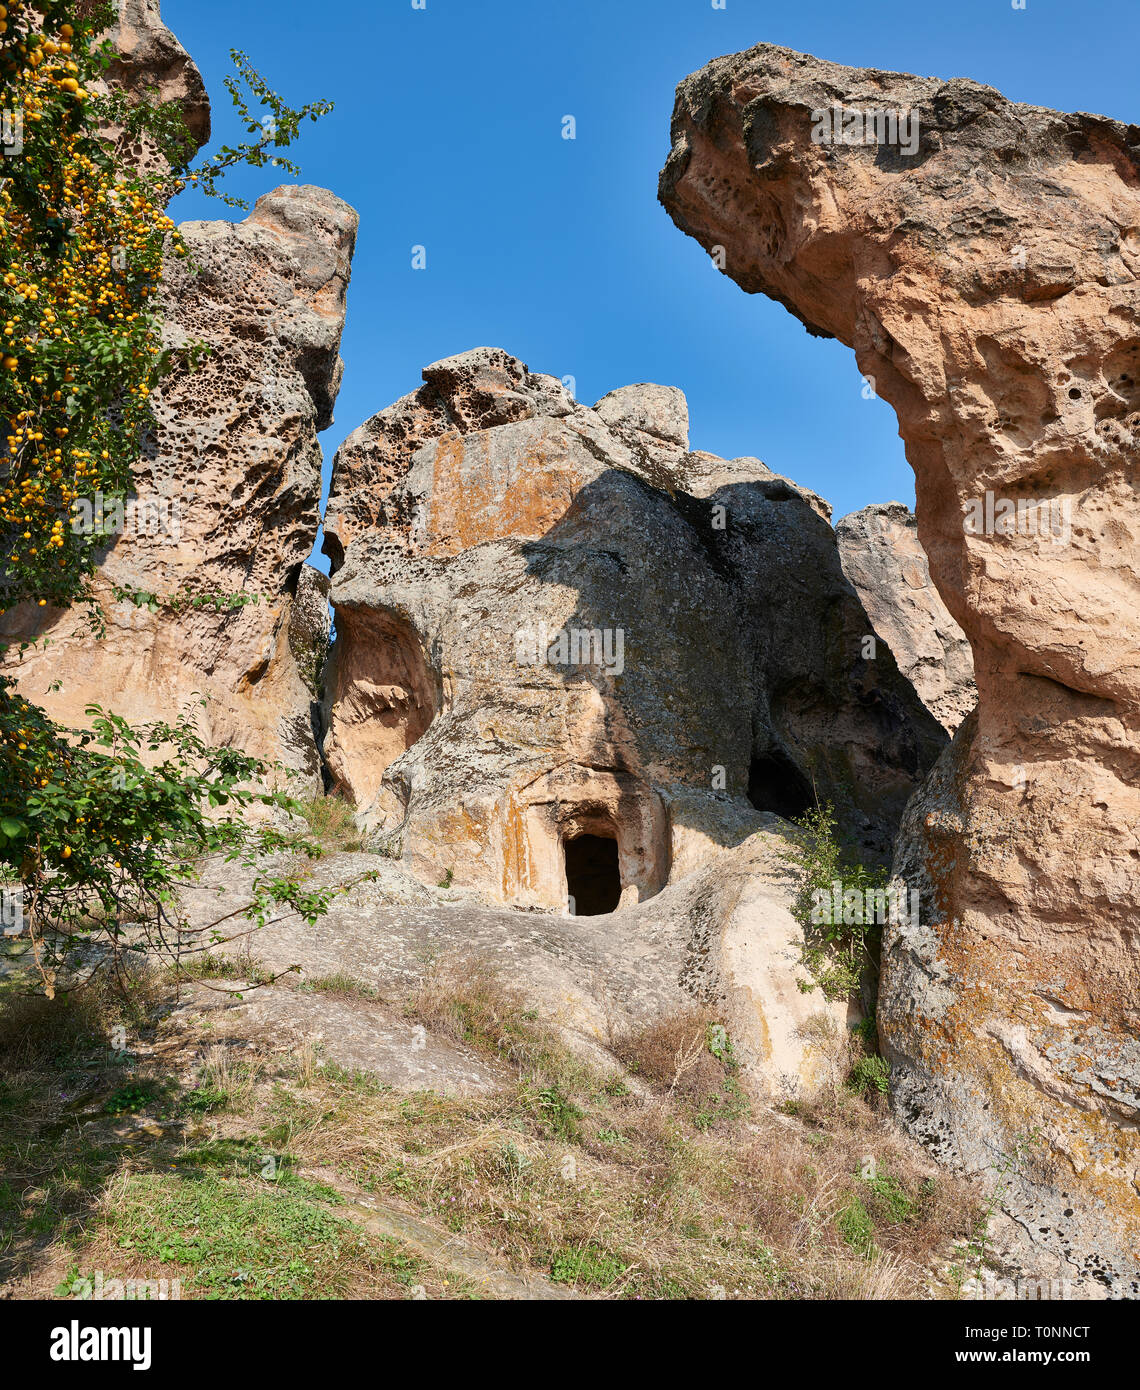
<point x="776" y="784"/>
<point x="593" y="878"/>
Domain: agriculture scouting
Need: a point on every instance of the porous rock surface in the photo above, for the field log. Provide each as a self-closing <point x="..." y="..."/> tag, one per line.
<point x="231" y="491"/>
<point x="723" y="936"/>
<point x="477" y="519"/>
<point x="226" y="499"/>
<point x="988" y="282"/>
<point x="883" y="559"/>
<point x="153" y="68"/>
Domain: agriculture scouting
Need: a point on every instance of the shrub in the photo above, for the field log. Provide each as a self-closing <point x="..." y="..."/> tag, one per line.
<point x="331" y="821"/>
<point x="870" y="1073"/>
<point x="834" y="953"/>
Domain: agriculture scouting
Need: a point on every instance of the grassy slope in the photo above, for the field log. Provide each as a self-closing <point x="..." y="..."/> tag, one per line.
<point x="225" y="1168"/>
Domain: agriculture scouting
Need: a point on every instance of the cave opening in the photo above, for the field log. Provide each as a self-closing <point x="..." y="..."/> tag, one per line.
<point x="776" y="784"/>
<point x="593" y="878"/>
<point x="381" y="697"/>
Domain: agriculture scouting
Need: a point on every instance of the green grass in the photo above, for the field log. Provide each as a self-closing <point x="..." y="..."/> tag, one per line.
<point x="590" y="1267"/>
<point x="870" y="1073"/>
<point x="857" y="1228"/>
<point x="890" y="1201"/>
<point x="340" y="986"/>
<point x="330" y="822"/>
<point x="208" y="966"/>
<point x="557" y="1114"/>
<point x="204" y="1100"/>
<point x="133" y="1097"/>
<point x="237" y="1238"/>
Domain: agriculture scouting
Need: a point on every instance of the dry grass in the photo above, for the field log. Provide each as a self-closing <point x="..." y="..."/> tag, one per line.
<point x="36" y="1032"/>
<point x="210" y="965"/>
<point x="673" y="1053"/>
<point x="672" y="1196"/>
<point x="331" y="822"/>
<point x="340" y="985"/>
<point x="680" y="1192"/>
<point x="462" y="999"/>
<point x="230" y="1076"/>
<point x="659" y="1208"/>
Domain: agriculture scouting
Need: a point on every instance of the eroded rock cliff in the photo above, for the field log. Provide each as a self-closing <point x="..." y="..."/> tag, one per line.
<point x="985" y="274"/>
<point x="213" y="542"/>
<point x="882" y="558"/>
<point x="557" y="622"/>
<point x="227" y="499"/>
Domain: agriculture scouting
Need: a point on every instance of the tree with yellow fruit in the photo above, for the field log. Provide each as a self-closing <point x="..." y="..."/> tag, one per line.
<point x="91" y="836"/>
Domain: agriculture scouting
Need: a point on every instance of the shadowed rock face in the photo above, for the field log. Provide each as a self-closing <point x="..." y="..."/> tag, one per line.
<point x="988" y="283"/>
<point x="888" y="568"/>
<point x="557" y="622"/>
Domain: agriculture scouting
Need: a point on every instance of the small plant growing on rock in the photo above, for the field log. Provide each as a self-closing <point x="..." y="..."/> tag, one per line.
<point x="835" y="953"/>
<point x="870" y="1073"/>
<point x="1009" y="1165"/>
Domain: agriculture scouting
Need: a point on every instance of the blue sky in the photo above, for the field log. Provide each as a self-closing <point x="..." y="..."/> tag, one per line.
<point x="447" y="134"/>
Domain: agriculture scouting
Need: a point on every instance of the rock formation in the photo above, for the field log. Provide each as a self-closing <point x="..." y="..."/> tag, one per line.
<point x="152" y="67"/>
<point x="882" y="558"/>
<point x="983" y="265"/>
<point x="226" y="501"/>
<point x="722" y="936"/>
<point x="226" y="504"/>
<point x="575" y="658"/>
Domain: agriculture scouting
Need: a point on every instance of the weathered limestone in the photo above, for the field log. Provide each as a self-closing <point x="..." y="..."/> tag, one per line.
<point x="704" y="646"/>
<point x="230" y="495"/>
<point x="988" y="283"/>
<point x="226" y="499"/>
<point x="882" y="558"/>
<point x="723" y="935"/>
<point x="152" y="67"/>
